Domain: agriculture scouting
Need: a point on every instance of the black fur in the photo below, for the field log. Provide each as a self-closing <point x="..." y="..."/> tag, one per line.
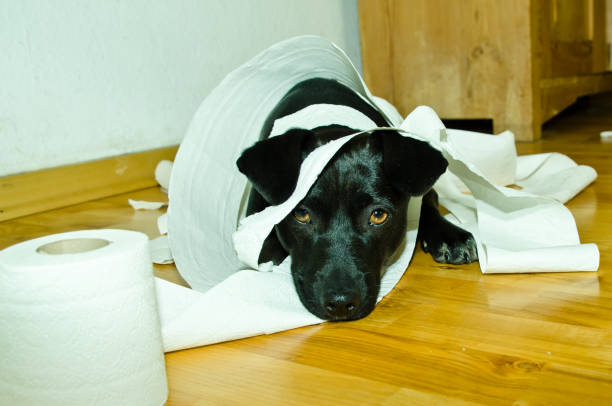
<point x="273" y="165"/>
<point x="339" y="253"/>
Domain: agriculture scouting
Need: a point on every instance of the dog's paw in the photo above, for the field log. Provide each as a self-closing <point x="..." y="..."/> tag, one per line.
<point x="450" y="244"/>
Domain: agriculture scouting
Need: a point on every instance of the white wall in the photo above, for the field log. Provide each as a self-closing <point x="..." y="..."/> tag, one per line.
<point x="87" y="79"/>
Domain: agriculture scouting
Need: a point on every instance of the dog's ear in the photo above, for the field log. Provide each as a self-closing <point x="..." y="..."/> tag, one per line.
<point x="273" y="165"/>
<point x="413" y="166"/>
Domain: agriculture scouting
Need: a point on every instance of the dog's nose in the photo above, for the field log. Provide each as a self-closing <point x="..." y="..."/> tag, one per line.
<point x="341" y="306"/>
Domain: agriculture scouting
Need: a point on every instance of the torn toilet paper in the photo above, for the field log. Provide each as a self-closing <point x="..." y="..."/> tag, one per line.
<point x="527" y="230"/>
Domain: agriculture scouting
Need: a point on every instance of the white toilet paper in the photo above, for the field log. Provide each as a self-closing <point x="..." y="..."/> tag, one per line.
<point x="208" y="197"/>
<point x="79" y="322"/>
<point x="162" y="174"/>
<point x="207" y="193"/>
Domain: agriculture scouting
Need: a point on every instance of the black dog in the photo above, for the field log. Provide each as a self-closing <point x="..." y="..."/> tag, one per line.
<point x="354" y="217"/>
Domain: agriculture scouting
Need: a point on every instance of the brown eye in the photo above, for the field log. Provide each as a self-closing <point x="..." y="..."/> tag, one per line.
<point x="378" y="217"/>
<point x="302" y="215"/>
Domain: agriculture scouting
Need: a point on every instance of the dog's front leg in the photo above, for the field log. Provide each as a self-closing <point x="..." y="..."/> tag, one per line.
<point x="272" y="250"/>
<point x="446" y="242"/>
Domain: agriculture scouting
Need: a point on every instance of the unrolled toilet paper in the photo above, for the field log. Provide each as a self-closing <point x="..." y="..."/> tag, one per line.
<point x="208" y="197"/>
<point x="79" y="322"/>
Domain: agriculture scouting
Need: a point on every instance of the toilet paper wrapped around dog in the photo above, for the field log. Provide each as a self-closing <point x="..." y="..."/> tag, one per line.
<point x="516" y="230"/>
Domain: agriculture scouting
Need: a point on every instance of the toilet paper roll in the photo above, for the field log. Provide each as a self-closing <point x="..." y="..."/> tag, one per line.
<point x="79" y="322"/>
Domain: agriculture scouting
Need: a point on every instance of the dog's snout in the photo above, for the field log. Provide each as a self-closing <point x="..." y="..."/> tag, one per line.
<point x="341" y="306"/>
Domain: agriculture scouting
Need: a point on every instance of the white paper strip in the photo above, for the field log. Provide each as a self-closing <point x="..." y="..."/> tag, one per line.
<point x="322" y="114"/>
<point x="162" y="224"/>
<point x="160" y="251"/>
<point x="146" y="205"/>
<point x="162" y="174"/>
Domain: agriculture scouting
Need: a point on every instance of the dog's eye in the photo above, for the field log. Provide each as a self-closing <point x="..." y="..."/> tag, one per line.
<point x="301" y="215"/>
<point x="378" y="217"/>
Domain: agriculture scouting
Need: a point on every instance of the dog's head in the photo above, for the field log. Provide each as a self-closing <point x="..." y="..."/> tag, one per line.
<point x="352" y="220"/>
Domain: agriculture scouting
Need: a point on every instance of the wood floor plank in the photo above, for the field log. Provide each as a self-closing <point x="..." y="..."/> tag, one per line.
<point x="261" y="380"/>
<point x="34" y="192"/>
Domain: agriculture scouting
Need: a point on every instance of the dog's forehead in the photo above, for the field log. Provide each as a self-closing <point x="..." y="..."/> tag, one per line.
<point x="354" y="176"/>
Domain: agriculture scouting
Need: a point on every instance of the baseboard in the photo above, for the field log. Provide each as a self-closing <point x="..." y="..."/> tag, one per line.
<point x="35" y="192"/>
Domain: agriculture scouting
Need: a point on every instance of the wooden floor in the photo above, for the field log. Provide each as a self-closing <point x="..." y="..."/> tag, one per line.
<point x="446" y="335"/>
